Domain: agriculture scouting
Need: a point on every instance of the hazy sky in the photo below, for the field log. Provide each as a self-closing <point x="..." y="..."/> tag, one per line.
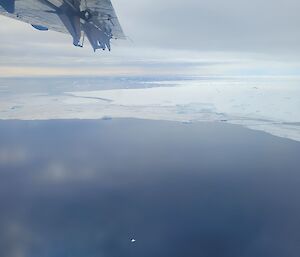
<point x="213" y="25"/>
<point x="242" y="37"/>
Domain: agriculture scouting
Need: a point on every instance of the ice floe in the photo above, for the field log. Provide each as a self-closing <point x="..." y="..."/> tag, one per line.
<point x="270" y="104"/>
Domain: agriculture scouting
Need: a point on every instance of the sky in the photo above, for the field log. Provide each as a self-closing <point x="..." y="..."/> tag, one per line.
<point x="234" y="37"/>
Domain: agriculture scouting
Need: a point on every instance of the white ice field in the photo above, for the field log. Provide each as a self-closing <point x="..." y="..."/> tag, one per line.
<point x="267" y="104"/>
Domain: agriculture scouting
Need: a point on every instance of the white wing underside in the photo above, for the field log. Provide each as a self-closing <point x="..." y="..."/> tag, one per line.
<point x="38" y="12"/>
<point x="105" y="7"/>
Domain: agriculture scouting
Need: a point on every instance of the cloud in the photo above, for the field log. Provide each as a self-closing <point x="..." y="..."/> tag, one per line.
<point x="200" y="25"/>
<point x="13" y="155"/>
<point x="213" y="25"/>
<point x="164" y="33"/>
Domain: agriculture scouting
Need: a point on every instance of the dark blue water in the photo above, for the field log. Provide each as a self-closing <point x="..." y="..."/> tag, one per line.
<point x="86" y="188"/>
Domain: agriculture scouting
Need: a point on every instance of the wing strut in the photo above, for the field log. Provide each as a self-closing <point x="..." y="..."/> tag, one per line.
<point x="8" y="5"/>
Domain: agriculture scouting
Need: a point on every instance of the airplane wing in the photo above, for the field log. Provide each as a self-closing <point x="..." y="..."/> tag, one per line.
<point x="95" y="19"/>
<point x="106" y="10"/>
